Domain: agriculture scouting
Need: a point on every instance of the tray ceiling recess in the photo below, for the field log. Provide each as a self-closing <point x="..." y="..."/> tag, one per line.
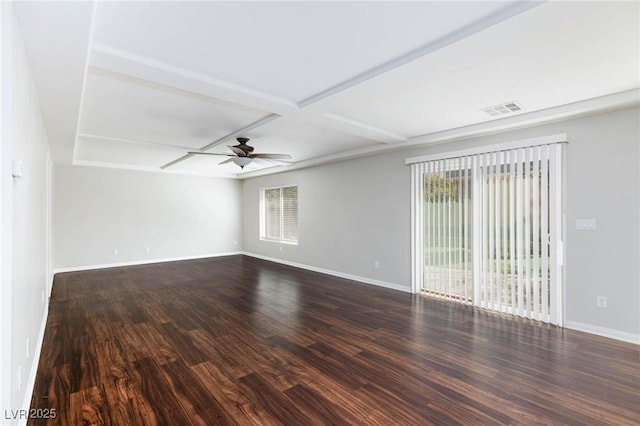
<point x="145" y="85"/>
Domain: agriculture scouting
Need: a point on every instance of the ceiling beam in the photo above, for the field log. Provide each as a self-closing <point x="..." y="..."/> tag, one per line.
<point x="505" y="13"/>
<point x="376" y="133"/>
<point x="145" y="68"/>
<point x="158" y="145"/>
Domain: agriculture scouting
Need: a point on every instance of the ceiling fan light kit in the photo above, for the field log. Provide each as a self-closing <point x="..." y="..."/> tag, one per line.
<point x="241" y="161"/>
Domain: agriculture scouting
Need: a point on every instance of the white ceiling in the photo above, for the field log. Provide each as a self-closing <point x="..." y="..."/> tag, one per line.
<point x="138" y="84"/>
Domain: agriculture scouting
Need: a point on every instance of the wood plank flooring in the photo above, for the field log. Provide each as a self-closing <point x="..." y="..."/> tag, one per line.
<point x="237" y="340"/>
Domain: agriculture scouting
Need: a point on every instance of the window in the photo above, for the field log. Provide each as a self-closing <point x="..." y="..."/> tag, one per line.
<point x="279" y="214"/>
<point x="487" y="230"/>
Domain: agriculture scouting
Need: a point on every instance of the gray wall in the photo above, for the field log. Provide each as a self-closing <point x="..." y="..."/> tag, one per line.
<point x="355" y="212"/>
<point x="98" y="210"/>
<point x="350" y="214"/>
<point x="24" y="220"/>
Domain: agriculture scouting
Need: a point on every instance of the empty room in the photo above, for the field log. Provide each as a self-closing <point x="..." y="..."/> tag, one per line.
<point x="295" y="213"/>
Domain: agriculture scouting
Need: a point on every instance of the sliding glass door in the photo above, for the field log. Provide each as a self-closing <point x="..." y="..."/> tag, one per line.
<point x="487" y="230"/>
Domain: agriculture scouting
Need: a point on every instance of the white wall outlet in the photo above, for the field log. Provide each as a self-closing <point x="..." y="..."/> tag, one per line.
<point x="601" y="302"/>
<point x="147" y="249"/>
<point x="281" y="249"/>
<point x="115" y="252"/>
<point x="235" y="243"/>
<point x="376" y="264"/>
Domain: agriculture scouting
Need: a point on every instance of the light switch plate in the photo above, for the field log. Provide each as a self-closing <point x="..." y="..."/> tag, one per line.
<point x="585" y="224"/>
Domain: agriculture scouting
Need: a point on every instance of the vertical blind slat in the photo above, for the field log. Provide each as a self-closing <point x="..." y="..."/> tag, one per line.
<point x="432" y="207"/>
<point x="440" y="229"/>
<point x="460" y="233"/>
<point x="483" y="229"/>
<point x="519" y="231"/>
<point x="447" y="194"/>
<point x="504" y="231"/>
<point x="491" y="236"/>
<point x="511" y="158"/>
<point x="467" y="237"/>
<point x="498" y="208"/>
<point x="427" y="220"/>
<point x="527" y="230"/>
<point x="544" y="209"/>
<point x="536" y="233"/>
<point x="476" y="176"/>
<point x="553" y="230"/>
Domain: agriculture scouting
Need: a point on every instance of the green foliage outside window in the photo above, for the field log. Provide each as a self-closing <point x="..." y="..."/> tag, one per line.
<point x="438" y="187"/>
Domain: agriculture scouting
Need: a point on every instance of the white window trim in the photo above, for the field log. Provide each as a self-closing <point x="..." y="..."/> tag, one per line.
<point x="263" y="216"/>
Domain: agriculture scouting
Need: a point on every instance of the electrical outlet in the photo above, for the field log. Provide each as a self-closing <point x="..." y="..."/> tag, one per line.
<point x="147" y="249"/>
<point x="115" y="252"/>
<point x="281" y="249"/>
<point x="601" y="302"/>
<point x="376" y="264"/>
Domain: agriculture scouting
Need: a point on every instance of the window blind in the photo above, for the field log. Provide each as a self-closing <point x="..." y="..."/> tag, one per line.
<point x="273" y="216"/>
<point x="280" y="214"/>
<point x="487" y="230"/>
<point x="290" y="213"/>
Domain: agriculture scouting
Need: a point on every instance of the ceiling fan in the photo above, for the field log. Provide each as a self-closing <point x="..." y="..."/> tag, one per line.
<point x="243" y="154"/>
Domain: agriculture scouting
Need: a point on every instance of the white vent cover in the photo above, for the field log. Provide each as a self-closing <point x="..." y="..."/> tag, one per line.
<point x="502" y="109"/>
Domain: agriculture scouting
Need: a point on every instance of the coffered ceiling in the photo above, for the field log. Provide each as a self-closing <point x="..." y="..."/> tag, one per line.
<point x="139" y="84"/>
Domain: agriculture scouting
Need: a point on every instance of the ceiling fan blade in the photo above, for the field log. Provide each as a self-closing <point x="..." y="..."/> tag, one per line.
<point x="272" y="156"/>
<point x="228" y="160"/>
<point x="209" y="153"/>
<point x="239" y="151"/>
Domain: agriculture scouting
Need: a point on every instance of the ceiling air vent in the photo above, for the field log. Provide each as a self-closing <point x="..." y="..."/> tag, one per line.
<point x="503" y="109"/>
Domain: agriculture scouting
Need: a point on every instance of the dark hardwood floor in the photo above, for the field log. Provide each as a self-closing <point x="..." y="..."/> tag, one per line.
<point x="237" y="340"/>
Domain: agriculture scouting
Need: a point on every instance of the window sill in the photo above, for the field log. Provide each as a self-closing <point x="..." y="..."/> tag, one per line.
<point x="290" y="243"/>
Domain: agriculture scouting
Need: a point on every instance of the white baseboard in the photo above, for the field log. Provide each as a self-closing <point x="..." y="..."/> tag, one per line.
<point x="31" y="381"/>
<point x="365" y="280"/>
<point x="141" y="262"/>
<point x="603" y="331"/>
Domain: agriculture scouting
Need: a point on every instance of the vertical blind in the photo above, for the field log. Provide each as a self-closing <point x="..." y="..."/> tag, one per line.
<point x="486" y="230"/>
